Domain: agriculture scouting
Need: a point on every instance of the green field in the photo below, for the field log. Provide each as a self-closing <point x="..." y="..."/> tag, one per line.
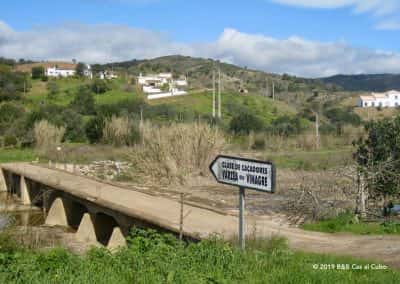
<point x="232" y="103"/>
<point x="67" y="90"/>
<point x="155" y="258"/>
<point x="16" y="155"/>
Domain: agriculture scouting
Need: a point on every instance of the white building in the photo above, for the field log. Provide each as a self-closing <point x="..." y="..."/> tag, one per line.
<point x="59" y="72"/>
<point x="387" y="99"/>
<point x="109" y="75"/>
<point x="88" y="71"/>
<point x="55" y="72"/>
<point x="155" y="85"/>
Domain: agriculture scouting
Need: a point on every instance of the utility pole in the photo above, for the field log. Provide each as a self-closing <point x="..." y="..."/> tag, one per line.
<point x="213" y="110"/>
<point x="273" y="90"/>
<point x="317" y="141"/>
<point x="219" y="93"/>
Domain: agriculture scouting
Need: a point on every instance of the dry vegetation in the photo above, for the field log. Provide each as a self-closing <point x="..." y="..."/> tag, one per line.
<point x="173" y="153"/>
<point x="117" y="131"/>
<point x="48" y="137"/>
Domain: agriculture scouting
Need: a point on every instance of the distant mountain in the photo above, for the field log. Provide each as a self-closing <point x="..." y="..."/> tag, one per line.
<point x="200" y="72"/>
<point x="370" y="83"/>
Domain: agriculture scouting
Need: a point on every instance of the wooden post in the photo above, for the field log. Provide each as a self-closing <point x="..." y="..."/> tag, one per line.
<point x="181" y="219"/>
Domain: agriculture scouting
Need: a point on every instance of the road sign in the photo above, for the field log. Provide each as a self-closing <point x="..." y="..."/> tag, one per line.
<point x="244" y="173"/>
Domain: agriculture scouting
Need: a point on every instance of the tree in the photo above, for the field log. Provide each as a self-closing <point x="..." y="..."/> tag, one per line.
<point x="245" y="122"/>
<point x="94" y="129"/>
<point x="12" y="84"/>
<point x="378" y="158"/>
<point x="37" y="72"/>
<point x="80" y="69"/>
<point x="100" y="86"/>
<point x="83" y="101"/>
<point x="74" y="126"/>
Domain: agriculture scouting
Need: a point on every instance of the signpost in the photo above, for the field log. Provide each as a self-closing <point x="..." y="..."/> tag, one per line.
<point x="244" y="173"/>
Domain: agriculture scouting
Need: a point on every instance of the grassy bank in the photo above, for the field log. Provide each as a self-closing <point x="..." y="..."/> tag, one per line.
<point x="16" y="155"/>
<point x="347" y="223"/>
<point x="155" y="258"/>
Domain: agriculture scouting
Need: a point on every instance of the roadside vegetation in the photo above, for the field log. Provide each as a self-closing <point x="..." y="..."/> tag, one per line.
<point x="349" y="223"/>
<point x="160" y="258"/>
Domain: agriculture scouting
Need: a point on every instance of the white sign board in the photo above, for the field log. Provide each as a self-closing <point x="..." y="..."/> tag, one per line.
<point x="244" y="173"/>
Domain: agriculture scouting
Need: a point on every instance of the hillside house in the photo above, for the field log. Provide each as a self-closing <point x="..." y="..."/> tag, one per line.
<point x="162" y="85"/>
<point x="109" y="75"/>
<point x="55" y="72"/>
<point x="387" y="99"/>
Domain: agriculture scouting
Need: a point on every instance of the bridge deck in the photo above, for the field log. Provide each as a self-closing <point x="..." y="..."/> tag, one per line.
<point x="165" y="212"/>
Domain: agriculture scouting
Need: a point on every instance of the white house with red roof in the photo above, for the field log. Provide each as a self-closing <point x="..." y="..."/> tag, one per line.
<point x="387" y="99"/>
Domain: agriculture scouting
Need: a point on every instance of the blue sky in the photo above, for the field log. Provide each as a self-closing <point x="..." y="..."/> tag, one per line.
<point x="304" y="37"/>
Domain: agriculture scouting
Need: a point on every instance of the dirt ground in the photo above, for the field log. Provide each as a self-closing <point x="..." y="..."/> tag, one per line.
<point x="299" y="196"/>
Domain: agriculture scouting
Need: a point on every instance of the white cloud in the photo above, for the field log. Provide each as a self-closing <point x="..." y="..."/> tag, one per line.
<point x="302" y="57"/>
<point x="92" y="43"/>
<point x="107" y="43"/>
<point x="378" y="7"/>
<point x="391" y="25"/>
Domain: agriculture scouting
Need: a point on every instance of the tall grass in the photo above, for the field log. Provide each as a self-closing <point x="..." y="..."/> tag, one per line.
<point x="161" y="258"/>
<point x="118" y="131"/>
<point x="172" y="153"/>
<point x="47" y="137"/>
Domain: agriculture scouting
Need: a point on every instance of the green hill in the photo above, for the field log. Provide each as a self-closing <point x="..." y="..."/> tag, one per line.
<point x="365" y="82"/>
<point x="200" y="70"/>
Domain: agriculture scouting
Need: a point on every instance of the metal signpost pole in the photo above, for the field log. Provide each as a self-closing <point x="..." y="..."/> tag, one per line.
<point x="245" y="174"/>
<point x="242" y="241"/>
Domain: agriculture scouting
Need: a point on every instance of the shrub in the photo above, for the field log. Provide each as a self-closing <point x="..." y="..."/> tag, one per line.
<point x="94" y="129"/>
<point x="37" y="72"/>
<point x="83" y="101"/>
<point x="47" y="137"/>
<point x="259" y="143"/>
<point x="74" y="126"/>
<point x="286" y="126"/>
<point x="52" y="88"/>
<point x="100" y="86"/>
<point x="175" y="152"/>
<point x="118" y="131"/>
<point x="244" y="123"/>
<point x="10" y="141"/>
<point x="378" y="156"/>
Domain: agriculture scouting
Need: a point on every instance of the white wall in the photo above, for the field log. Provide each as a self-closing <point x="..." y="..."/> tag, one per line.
<point x="166" y="95"/>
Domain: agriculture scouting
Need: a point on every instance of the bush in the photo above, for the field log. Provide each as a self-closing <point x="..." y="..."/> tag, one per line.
<point x="52" y="88"/>
<point x="74" y="126"/>
<point x="244" y="123"/>
<point x="10" y="141"/>
<point x="118" y="131"/>
<point x="47" y="137"/>
<point x="38" y="72"/>
<point x="100" y="86"/>
<point x="94" y="129"/>
<point x="259" y="143"/>
<point x="286" y="126"/>
<point x="173" y="153"/>
<point x="83" y="101"/>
